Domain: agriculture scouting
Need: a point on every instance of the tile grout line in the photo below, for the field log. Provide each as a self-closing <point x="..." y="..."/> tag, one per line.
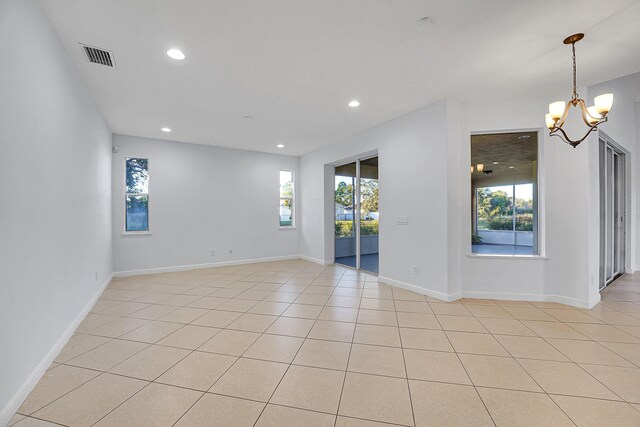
<point x="404" y="360"/>
<point x="467" y="374"/>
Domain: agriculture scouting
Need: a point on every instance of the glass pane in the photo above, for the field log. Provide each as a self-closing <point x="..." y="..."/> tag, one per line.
<point x="137" y="218"/>
<point x="609" y="214"/>
<point x="344" y="195"/>
<point x="345" y="220"/>
<point x="286" y="212"/>
<point x="369" y="215"/>
<point x="495" y="208"/>
<point x="524" y="207"/>
<point x="137" y="175"/>
<point x="286" y="184"/>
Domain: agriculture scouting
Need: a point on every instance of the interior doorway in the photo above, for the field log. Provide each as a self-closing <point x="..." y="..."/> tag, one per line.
<point x="357" y="215"/>
<point x="612" y="212"/>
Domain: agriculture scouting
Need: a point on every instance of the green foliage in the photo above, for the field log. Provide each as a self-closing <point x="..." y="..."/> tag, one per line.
<point x="367" y="228"/>
<point x="496" y="210"/>
<point x="137" y="175"/>
<point x="369" y="195"/>
<point x="286" y="190"/>
<point x="476" y="240"/>
<point x="524" y="222"/>
<point x="344" y="194"/>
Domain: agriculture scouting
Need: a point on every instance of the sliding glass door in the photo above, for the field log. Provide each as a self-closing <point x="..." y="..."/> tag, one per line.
<point x="369" y="215"/>
<point x="612" y="213"/>
<point x="357" y="215"/>
<point x="345" y="215"/>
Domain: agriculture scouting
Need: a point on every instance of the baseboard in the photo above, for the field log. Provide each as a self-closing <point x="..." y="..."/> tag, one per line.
<point x="313" y="260"/>
<point x="14" y="404"/>
<point x="201" y="266"/>
<point x="491" y="295"/>
<point x="418" y="289"/>
<point x="575" y="302"/>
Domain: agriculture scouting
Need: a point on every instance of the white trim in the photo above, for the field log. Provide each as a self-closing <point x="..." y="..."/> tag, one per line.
<point x="505" y="256"/>
<point x="419" y="290"/>
<point x="491" y="295"/>
<point x="314" y="260"/>
<point x="201" y="266"/>
<point x="16" y="401"/>
<point x="531" y="297"/>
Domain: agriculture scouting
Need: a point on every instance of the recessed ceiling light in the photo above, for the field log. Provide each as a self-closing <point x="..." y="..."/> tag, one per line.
<point x="166" y="130"/>
<point x="524" y="137"/>
<point x="496" y="163"/>
<point x="280" y="145"/>
<point x="176" y="54"/>
<point x="354" y="103"/>
<point x="511" y="167"/>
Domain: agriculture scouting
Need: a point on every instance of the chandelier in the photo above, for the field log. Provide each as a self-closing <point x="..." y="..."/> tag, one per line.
<point x="592" y="116"/>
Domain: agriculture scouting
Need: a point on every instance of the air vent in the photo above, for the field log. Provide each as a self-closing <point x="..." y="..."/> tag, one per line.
<point x="98" y="56"/>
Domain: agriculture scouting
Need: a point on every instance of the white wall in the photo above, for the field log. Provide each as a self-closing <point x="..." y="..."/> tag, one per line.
<point x="413" y="183"/>
<point x="424" y="173"/>
<point x="55" y="198"/>
<point x="202" y="198"/>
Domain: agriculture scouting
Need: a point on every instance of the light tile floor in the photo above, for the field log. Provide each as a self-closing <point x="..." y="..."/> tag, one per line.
<point x="296" y="344"/>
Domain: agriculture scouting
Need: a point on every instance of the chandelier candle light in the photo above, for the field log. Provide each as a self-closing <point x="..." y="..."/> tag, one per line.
<point x="592" y="116"/>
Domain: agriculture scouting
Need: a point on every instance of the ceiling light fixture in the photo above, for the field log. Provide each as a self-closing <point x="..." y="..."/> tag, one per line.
<point x="592" y="116"/>
<point x="280" y="145"/>
<point x="166" y="130"/>
<point x="496" y="163"/>
<point x="176" y="54"/>
<point x="511" y="167"/>
<point x="354" y="103"/>
<point x="480" y="167"/>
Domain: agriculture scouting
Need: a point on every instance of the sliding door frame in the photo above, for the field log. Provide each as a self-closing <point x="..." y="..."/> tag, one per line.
<point x="356" y="202"/>
<point x="613" y="210"/>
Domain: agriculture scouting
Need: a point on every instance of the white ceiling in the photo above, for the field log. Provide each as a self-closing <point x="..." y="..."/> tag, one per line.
<point x="294" y="64"/>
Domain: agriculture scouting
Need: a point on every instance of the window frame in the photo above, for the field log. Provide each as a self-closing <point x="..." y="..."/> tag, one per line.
<point x="539" y="197"/>
<point x="291" y="199"/>
<point x="126" y="195"/>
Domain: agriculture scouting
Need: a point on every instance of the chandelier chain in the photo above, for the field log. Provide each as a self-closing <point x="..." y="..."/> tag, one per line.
<point x="575" y="93"/>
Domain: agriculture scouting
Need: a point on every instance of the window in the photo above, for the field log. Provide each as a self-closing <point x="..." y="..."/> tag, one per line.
<point x="504" y="176"/>
<point x="286" y="199"/>
<point x="136" y="194"/>
<point x="495" y="207"/>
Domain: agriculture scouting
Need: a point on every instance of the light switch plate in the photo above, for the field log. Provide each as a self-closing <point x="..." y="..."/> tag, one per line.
<point x="402" y="220"/>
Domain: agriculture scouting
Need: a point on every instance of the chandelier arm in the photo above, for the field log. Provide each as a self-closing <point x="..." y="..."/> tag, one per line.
<point x="562" y="119"/>
<point x="585" y="113"/>
<point x="574" y="143"/>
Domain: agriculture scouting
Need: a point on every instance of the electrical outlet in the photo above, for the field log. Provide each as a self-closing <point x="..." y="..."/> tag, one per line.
<point x="402" y="220"/>
<point x="415" y="270"/>
<point x="212" y="253"/>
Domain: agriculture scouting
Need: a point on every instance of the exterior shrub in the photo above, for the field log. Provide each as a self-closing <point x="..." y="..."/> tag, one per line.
<point x="367" y="228"/>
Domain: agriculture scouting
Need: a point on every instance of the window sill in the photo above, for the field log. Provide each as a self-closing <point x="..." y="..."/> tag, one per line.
<point x="137" y="233"/>
<point x="518" y="257"/>
<point x="290" y="227"/>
